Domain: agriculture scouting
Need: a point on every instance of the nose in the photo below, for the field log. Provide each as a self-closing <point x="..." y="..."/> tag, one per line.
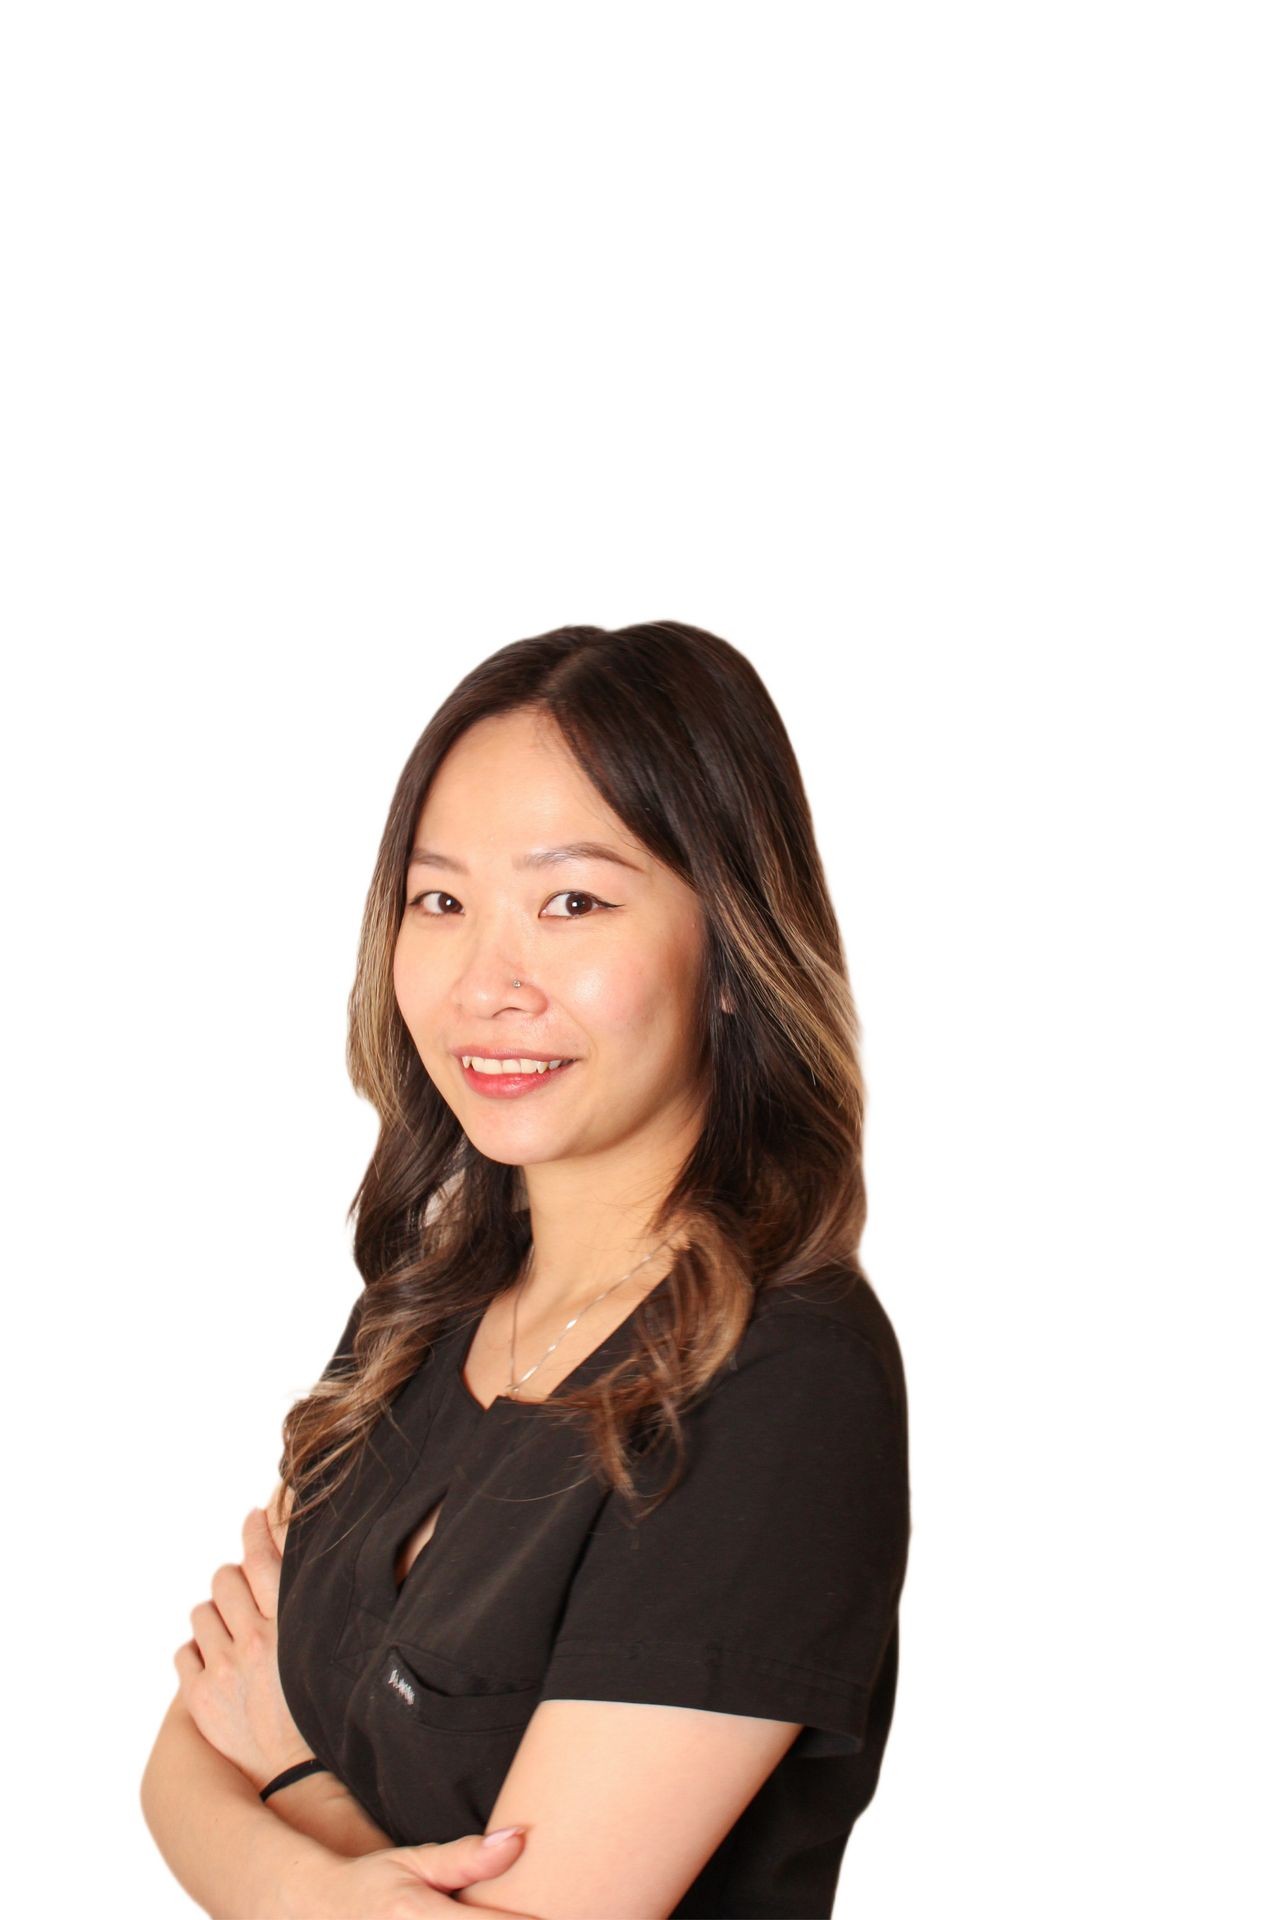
<point x="491" y="978"/>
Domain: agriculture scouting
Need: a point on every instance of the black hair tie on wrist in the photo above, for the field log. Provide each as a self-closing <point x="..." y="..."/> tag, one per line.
<point x="290" y="1774"/>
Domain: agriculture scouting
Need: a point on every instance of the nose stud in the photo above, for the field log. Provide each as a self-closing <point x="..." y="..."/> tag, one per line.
<point x="515" y="983"/>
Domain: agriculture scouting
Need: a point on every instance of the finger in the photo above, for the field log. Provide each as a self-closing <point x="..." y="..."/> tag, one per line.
<point x="279" y="1508"/>
<point x="209" y="1631"/>
<point x="261" y="1564"/>
<point x="258" y="1529"/>
<point x="452" y="1864"/>
<point x="188" y="1662"/>
<point x="236" y="1602"/>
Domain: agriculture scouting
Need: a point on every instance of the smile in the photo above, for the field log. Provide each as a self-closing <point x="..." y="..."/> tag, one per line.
<point x="510" y="1077"/>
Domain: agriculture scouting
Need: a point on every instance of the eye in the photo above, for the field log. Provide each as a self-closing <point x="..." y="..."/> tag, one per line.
<point x="454" y="905"/>
<point x="577" y="894"/>
<point x="432" y="912"/>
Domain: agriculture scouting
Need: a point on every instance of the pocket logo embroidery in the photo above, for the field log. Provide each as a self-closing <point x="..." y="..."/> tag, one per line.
<point x="397" y="1680"/>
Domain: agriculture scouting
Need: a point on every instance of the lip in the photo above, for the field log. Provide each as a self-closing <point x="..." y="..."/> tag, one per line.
<point x="506" y="1053"/>
<point x="513" y="1086"/>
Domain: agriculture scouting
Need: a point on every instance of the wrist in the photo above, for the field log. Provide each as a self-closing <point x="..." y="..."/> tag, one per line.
<point x="309" y="1892"/>
<point x="278" y="1786"/>
<point x="279" y="1762"/>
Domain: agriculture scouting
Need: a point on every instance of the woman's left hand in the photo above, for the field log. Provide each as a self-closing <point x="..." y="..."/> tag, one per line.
<point x="228" y="1674"/>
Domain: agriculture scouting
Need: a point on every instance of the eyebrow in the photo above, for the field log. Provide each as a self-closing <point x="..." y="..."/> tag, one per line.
<point x="541" y="857"/>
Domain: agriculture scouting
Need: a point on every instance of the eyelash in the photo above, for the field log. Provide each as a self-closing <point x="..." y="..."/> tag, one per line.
<point x="572" y="893"/>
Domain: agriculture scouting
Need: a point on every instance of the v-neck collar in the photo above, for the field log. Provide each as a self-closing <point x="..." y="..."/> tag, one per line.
<point x="587" y="1369"/>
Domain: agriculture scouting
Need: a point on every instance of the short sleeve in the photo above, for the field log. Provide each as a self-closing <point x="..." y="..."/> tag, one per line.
<point x="767" y="1583"/>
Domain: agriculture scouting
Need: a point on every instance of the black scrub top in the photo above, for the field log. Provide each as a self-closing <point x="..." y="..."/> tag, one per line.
<point x="767" y="1584"/>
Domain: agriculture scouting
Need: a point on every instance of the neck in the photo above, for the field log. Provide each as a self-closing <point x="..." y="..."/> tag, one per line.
<point x="592" y="1220"/>
<point x="634" y="1269"/>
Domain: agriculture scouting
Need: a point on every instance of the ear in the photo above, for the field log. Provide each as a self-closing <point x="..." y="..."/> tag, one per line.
<point x="725" y="1007"/>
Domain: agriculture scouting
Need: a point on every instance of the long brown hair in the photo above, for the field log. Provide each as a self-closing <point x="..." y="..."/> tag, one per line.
<point x="678" y="734"/>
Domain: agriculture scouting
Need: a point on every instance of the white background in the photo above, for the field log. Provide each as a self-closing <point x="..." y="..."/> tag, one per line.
<point x="927" y="353"/>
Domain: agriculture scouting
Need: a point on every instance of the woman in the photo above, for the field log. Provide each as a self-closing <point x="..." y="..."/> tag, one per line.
<point x="596" y="1525"/>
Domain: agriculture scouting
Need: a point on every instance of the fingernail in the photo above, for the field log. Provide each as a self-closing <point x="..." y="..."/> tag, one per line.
<point x="503" y="1833"/>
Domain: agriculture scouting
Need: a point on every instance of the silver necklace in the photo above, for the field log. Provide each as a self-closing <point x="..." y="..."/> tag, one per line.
<point x="513" y="1383"/>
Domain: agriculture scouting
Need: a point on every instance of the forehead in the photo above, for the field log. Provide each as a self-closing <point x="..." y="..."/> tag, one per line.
<point x="510" y="785"/>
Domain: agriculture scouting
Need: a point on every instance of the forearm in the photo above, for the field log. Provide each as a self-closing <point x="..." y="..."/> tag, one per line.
<point x="322" y="1807"/>
<point x="236" y="1858"/>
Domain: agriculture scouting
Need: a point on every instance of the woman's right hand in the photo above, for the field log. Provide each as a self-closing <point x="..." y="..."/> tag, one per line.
<point x="408" y="1883"/>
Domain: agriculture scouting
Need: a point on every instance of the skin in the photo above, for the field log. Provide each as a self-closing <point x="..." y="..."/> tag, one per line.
<point x="311" y="1852"/>
<point x="621" y="1804"/>
<point x="224" y="1668"/>
<point x="608" y="957"/>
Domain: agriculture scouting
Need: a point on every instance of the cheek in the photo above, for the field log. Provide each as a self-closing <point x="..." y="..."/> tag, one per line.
<point x="411" y="989"/>
<point x="632" y="998"/>
<point x="398" y="979"/>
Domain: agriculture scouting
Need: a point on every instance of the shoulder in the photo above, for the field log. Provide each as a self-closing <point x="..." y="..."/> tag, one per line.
<point x="811" y="1396"/>
<point x="835" y="1312"/>
<point x="816" y="1376"/>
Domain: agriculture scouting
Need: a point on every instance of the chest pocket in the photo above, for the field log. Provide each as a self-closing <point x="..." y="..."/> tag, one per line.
<point x="444" y="1741"/>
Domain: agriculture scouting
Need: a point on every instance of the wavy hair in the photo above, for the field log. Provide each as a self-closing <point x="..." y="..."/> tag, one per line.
<point x="679" y="736"/>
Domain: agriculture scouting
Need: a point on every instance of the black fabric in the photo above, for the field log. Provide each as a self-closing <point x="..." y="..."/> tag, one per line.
<point x="767" y="1584"/>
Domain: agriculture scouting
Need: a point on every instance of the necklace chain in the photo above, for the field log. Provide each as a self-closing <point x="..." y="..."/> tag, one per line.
<point x="513" y="1383"/>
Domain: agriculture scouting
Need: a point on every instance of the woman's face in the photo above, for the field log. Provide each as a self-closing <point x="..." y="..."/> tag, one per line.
<point x="608" y="953"/>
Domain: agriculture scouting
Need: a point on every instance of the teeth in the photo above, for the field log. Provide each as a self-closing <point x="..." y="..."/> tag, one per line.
<point x="480" y="1065"/>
